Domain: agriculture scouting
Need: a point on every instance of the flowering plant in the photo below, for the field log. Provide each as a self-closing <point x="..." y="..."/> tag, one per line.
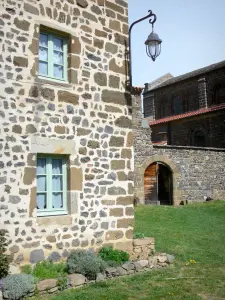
<point x="136" y="90"/>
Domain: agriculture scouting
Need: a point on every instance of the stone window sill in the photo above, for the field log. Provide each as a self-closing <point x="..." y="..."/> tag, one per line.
<point x="45" y="81"/>
<point x="54" y="220"/>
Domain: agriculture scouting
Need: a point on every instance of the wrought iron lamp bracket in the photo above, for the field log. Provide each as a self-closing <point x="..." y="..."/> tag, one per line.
<point x="152" y="18"/>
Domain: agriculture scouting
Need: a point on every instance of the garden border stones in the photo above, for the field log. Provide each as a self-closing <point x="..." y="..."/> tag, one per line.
<point x="158" y="261"/>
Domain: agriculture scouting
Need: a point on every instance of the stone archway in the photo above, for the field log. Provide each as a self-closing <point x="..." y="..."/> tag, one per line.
<point x="158" y="184"/>
<point x="140" y="171"/>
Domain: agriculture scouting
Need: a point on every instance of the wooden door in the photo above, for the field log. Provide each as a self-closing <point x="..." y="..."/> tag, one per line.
<point x="150" y="184"/>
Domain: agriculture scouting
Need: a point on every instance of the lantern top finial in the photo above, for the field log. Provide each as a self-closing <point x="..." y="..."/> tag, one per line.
<point x="153" y="37"/>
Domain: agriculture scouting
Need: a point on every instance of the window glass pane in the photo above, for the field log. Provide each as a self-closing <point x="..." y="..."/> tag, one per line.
<point x="41" y="166"/>
<point x="58" y="71"/>
<point x="56" y="166"/>
<point x="57" y="44"/>
<point x="57" y="200"/>
<point x="41" y="183"/>
<point x="41" y="201"/>
<point x="58" y="57"/>
<point x="43" y="54"/>
<point x="43" y="68"/>
<point x="43" y="40"/>
<point x="57" y="183"/>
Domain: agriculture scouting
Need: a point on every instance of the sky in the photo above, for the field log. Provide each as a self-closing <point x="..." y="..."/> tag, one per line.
<point x="192" y="33"/>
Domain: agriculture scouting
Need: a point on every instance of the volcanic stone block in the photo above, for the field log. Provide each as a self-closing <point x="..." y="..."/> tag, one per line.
<point x="125" y="223"/>
<point x="100" y="78"/>
<point x="116" y="141"/>
<point x="22" y="24"/>
<point x="114" y="7"/>
<point x="112" y="48"/>
<point x="82" y="3"/>
<point x="117" y="164"/>
<point x="31" y="9"/>
<point x="116" y="97"/>
<point x="20" y="61"/>
<point x="114" y="235"/>
<point x="36" y="256"/>
<point x="128" y="200"/>
<point x="123" y="122"/>
<point x="114" y="81"/>
<point x="116" y="212"/>
<point x="68" y="97"/>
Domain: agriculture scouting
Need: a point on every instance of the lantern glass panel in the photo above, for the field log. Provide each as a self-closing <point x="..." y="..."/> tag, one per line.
<point x="152" y="48"/>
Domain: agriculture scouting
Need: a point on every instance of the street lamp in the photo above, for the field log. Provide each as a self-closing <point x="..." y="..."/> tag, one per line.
<point x="153" y="42"/>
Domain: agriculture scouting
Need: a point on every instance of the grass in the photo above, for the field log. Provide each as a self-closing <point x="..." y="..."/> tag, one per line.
<point x="195" y="232"/>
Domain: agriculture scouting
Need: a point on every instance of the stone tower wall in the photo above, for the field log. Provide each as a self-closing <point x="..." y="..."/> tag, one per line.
<point x="86" y="119"/>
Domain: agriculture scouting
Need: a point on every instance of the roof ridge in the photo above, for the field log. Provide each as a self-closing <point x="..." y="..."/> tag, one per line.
<point x="190" y="74"/>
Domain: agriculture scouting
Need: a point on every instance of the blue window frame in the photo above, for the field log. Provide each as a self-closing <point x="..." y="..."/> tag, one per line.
<point x="51" y="185"/>
<point x="52" y="56"/>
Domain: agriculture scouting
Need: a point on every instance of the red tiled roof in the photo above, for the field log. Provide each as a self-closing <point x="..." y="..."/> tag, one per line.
<point x="188" y="114"/>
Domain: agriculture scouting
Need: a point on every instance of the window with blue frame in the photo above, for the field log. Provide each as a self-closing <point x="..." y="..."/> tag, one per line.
<point x="51" y="185"/>
<point x="52" y="56"/>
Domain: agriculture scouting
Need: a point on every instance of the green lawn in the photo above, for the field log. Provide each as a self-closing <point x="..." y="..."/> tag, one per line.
<point x="194" y="232"/>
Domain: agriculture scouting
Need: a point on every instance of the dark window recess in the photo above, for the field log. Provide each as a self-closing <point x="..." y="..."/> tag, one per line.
<point x="163" y="109"/>
<point x="186" y="103"/>
<point x="176" y="105"/>
<point x="219" y="94"/>
<point x="198" y="139"/>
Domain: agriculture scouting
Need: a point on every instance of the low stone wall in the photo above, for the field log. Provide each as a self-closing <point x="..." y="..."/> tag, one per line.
<point x="197" y="172"/>
<point x="142" y="248"/>
<point x="137" y="248"/>
<point x="142" y="258"/>
<point x="50" y="286"/>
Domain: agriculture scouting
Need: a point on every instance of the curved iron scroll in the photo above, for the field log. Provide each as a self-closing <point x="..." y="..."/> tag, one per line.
<point x="152" y="18"/>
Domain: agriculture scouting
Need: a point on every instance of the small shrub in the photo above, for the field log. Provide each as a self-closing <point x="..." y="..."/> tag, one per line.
<point x="86" y="263"/>
<point x="17" y="286"/>
<point x="48" y="269"/>
<point x="62" y="283"/>
<point x="45" y="270"/>
<point x="113" y="256"/>
<point x="4" y="259"/>
<point x="27" y="269"/>
<point x="139" y="235"/>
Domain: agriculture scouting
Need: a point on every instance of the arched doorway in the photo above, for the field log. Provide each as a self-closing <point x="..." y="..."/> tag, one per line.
<point x="158" y="184"/>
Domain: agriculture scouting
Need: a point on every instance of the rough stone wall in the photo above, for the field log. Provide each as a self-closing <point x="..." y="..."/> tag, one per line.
<point x="187" y="92"/>
<point x="213" y="80"/>
<point x="197" y="172"/>
<point x="87" y="119"/>
<point x="182" y="130"/>
<point x="194" y="93"/>
<point x="212" y="125"/>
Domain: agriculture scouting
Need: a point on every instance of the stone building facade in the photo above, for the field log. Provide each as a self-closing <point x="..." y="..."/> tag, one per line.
<point x="188" y="110"/>
<point x="180" y="143"/>
<point x="66" y="142"/>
